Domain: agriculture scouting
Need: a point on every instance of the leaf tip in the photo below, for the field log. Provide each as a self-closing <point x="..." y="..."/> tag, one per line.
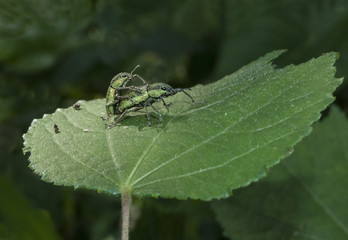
<point x="273" y="55"/>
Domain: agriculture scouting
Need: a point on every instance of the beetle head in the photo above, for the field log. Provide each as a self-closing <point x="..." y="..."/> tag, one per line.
<point x="121" y="79"/>
<point x="160" y="90"/>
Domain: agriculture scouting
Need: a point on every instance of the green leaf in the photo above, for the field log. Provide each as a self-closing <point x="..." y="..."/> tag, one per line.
<point x="250" y="120"/>
<point x="19" y="220"/>
<point x="305" y="197"/>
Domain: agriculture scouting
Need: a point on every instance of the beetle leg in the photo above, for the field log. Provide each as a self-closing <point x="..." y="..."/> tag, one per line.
<point x="134" y="109"/>
<point x="147" y="116"/>
<point x="124" y="97"/>
<point x="108" y="112"/>
<point x="160" y="115"/>
<point x="136" y="75"/>
<point x="189" y="96"/>
<point x="111" y="103"/>
<point x="111" y="125"/>
<point x="120" y="117"/>
<point x="129" y="88"/>
<point x="166" y="104"/>
<point x="192" y="97"/>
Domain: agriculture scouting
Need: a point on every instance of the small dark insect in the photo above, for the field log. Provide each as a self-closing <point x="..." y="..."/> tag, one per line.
<point x="77" y="106"/>
<point x="56" y="129"/>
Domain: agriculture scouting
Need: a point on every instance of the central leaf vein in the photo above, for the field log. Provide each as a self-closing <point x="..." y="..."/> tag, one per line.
<point x="114" y="160"/>
<point x="140" y="160"/>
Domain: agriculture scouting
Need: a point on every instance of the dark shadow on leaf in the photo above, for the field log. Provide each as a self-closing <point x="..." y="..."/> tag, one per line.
<point x="139" y="120"/>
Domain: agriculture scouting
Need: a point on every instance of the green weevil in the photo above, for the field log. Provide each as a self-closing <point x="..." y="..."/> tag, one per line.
<point x="134" y="100"/>
<point x="116" y="88"/>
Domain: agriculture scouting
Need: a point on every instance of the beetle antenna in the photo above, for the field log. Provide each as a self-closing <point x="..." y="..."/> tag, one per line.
<point x="182" y="90"/>
<point x="189" y="96"/>
<point x="135" y="68"/>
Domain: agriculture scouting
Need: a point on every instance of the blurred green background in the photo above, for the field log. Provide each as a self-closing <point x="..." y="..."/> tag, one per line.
<point x="55" y="52"/>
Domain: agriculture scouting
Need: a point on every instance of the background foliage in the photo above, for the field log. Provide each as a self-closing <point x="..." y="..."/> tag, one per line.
<point x="53" y="53"/>
<point x="293" y="201"/>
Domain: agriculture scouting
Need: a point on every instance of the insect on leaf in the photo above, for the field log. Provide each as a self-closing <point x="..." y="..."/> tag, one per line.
<point x="248" y="122"/>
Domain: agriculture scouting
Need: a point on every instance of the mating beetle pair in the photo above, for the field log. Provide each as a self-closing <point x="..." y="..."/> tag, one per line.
<point x="122" y="99"/>
<point x="116" y="89"/>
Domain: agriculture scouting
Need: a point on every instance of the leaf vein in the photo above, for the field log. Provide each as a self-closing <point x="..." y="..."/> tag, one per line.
<point x="112" y="153"/>
<point x="212" y="137"/>
<point x="75" y="159"/>
<point x="316" y="198"/>
<point x="220" y="101"/>
<point x="140" y="160"/>
<point x="217" y="166"/>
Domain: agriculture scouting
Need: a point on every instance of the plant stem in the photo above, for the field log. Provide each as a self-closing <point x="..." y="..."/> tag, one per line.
<point x="126" y="205"/>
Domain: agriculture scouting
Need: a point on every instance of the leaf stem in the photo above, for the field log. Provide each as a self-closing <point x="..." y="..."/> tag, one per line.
<point x="126" y="205"/>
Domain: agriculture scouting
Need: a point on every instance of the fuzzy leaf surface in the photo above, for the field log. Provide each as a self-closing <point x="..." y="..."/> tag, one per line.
<point x="248" y="122"/>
